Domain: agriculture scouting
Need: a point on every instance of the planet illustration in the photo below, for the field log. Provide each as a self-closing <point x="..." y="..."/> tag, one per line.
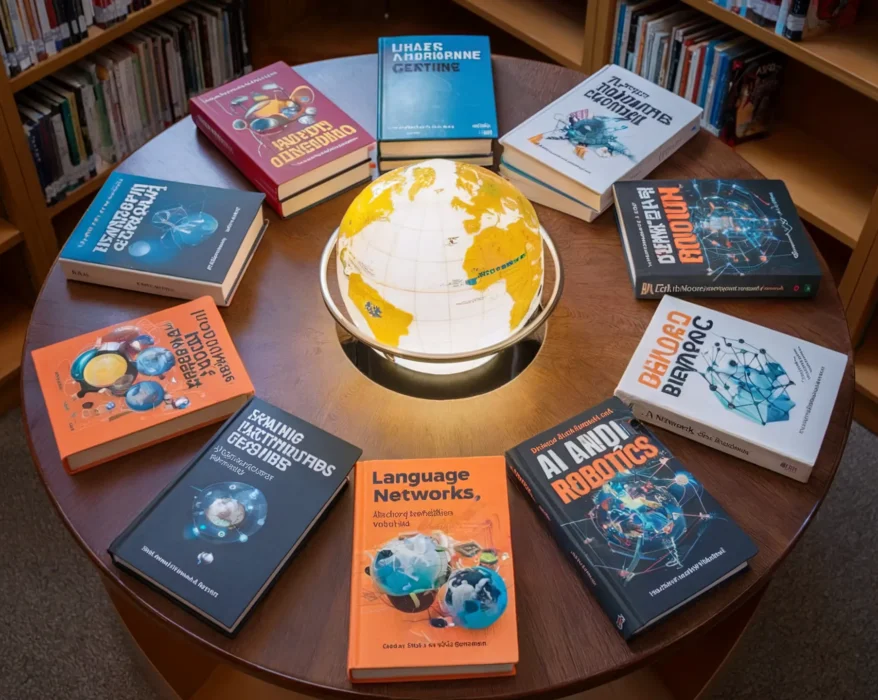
<point x="144" y="396"/>
<point x="139" y="248"/>
<point x="225" y="512"/>
<point x="230" y="511"/>
<point x="154" y="361"/>
<point x="407" y="568"/>
<point x="474" y="598"/>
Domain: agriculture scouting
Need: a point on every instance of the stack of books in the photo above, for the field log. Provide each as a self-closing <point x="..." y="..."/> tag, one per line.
<point x="435" y="100"/>
<point x="613" y="126"/>
<point x="733" y="78"/>
<point x="287" y="137"/>
<point x="89" y="116"/>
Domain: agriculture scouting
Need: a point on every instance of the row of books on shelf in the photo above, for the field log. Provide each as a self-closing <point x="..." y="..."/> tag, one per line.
<point x="432" y="549"/>
<point x="735" y="79"/>
<point x="88" y="116"/>
<point x="796" y="19"/>
<point x="34" y="30"/>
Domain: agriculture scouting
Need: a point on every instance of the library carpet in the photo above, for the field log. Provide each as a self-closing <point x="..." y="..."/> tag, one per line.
<point x="813" y="637"/>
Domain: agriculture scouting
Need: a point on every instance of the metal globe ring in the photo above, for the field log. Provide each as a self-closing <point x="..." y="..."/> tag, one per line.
<point x="380" y="347"/>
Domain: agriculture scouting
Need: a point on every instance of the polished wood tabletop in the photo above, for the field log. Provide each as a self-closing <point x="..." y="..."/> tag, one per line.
<point x="297" y="636"/>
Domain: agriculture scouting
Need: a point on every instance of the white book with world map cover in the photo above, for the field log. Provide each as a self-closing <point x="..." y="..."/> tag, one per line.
<point x="613" y="126"/>
<point x="750" y="391"/>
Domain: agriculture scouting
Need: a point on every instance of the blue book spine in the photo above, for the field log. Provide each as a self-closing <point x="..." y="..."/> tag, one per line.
<point x="435" y="87"/>
<point x="722" y="75"/>
<point x="620" y="27"/>
<point x="705" y="78"/>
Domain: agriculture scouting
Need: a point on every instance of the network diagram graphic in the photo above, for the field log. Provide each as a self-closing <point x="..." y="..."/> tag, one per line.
<point x="646" y="520"/>
<point x="179" y="227"/>
<point x="585" y="132"/>
<point x="739" y="231"/>
<point x="747" y="380"/>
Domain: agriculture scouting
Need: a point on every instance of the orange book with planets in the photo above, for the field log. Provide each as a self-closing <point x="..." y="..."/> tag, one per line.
<point x="121" y="388"/>
<point x="432" y="585"/>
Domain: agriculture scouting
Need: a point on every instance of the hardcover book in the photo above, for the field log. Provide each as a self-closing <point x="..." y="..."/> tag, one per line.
<point x="641" y="530"/>
<point x="704" y="238"/>
<point x="168" y="238"/>
<point x="613" y="126"/>
<point x="435" y="96"/>
<point x="126" y="386"/>
<point x="432" y="584"/>
<point x="215" y="539"/>
<point x="548" y="196"/>
<point x="288" y="138"/>
<point x="752" y="392"/>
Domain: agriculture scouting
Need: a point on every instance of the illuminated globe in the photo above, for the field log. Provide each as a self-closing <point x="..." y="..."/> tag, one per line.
<point x="440" y="257"/>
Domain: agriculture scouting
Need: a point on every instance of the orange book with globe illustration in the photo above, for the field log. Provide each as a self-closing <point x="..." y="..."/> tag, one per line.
<point x="432" y="584"/>
<point x="120" y="388"/>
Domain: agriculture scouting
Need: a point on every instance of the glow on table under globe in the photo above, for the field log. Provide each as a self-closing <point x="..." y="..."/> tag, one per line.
<point x="440" y="257"/>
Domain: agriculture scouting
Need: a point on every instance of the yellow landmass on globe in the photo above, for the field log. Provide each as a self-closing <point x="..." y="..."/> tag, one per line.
<point x="513" y="254"/>
<point x="424" y="177"/>
<point x="372" y="204"/>
<point x="387" y="322"/>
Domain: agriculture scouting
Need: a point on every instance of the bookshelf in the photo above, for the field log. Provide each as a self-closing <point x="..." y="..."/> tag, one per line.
<point x="822" y="145"/>
<point x="557" y="28"/>
<point x="27" y="228"/>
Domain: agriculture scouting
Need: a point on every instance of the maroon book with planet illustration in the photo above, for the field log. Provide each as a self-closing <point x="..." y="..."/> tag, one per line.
<point x="287" y="137"/>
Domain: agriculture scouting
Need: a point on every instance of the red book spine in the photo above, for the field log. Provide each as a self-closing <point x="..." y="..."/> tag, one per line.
<point x="239" y="157"/>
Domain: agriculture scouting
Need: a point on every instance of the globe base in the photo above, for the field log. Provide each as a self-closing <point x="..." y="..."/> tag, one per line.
<point x="489" y="374"/>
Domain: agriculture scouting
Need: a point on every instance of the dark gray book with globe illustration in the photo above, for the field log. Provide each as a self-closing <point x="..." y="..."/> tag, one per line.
<point x="169" y="238"/>
<point x="641" y="530"/>
<point x="216" y="538"/>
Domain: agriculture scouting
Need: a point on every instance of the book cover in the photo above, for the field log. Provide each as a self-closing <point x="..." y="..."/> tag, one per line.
<point x="277" y="128"/>
<point x="164" y="237"/>
<point x="701" y="238"/>
<point x="432" y="586"/>
<point x="435" y="87"/>
<point x="150" y="377"/>
<point x="613" y="126"/>
<point x="744" y="389"/>
<point x="217" y="536"/>
<point x="639" y="528"/>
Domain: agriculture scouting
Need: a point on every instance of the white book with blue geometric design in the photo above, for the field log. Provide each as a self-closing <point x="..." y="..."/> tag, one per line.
<point x="744" y="389"/>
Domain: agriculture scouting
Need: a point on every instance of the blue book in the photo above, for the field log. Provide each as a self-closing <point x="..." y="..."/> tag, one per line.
<point x="435" y="96"/>
<point x="169" y="238"/>
<point x="722" y="83"/>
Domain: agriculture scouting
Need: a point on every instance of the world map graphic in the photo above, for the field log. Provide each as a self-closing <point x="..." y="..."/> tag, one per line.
<point x="440" y="257"/>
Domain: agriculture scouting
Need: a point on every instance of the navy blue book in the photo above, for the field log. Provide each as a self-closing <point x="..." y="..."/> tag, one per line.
<point x="435" y="96"/>
<point x="169" y="238"/>
<point x="216" y="538"/>
<point x="641" y="531"/>
<point x="714" y="238"/>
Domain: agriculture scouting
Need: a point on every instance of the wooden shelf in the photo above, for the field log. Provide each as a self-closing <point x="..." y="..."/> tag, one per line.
<point x="9" y="236"/>
<point x="849" y="55"/>
<point x="97" y="38"/>
<point x="14" y="317"/>
<point x="866" y="364"/>
<point x="830" y="191"/>
<point x="555" y="27"/>
<point x="90" y="187"/>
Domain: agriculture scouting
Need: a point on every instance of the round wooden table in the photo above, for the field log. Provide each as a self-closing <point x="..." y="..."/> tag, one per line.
<point x="297" y="637"/>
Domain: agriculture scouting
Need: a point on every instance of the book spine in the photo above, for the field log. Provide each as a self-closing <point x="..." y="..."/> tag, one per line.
<point x="357" y="548"/>
<point x="251" y="170"/>
<point x="717" y="439"/>
<point x="617" y="610"/>
<point x="379" y="130"/>
<point x="140" y="281"/>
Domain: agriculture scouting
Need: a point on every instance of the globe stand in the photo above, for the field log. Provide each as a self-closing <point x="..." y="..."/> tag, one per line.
<point x="377" y="360"/>
<point x="502" y="368"/>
